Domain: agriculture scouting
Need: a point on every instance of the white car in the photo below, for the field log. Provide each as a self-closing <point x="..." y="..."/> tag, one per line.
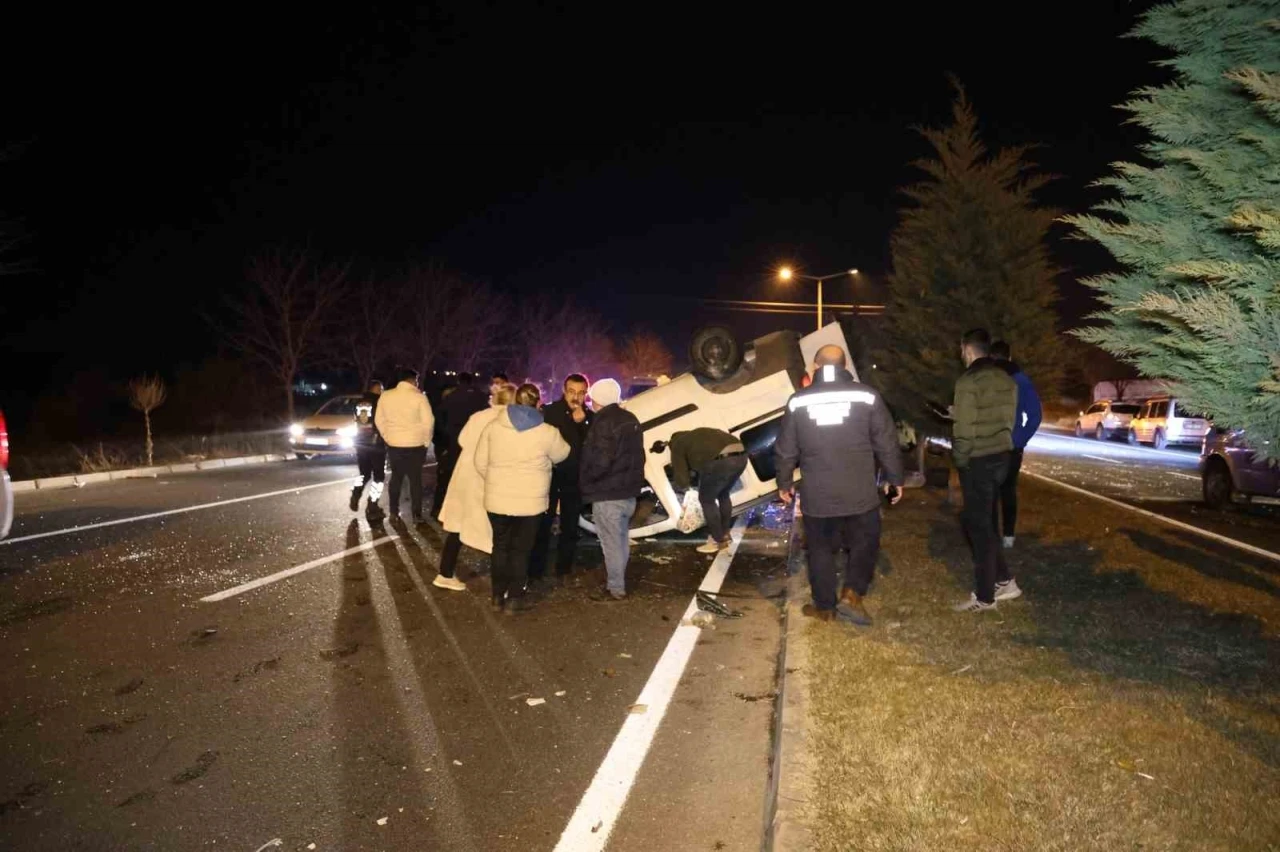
<point x="331" y="431"/>
<point x="1163" y="421"/>
<point x="747" y="397"/>
<point x="1105" y="419"/>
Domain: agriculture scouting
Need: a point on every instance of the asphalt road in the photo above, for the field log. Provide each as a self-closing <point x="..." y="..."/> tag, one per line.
<point x="352" y="705"/>
<point x="1166" y="482"/>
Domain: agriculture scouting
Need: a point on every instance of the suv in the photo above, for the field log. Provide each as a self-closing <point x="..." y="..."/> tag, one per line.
<point x="1163" y="421"/>
<point x="1106" y="418"/>
<point x="1228" y="467"/>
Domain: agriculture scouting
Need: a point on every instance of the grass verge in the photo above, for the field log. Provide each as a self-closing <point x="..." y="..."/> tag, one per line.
<point x="1128" y="701"/>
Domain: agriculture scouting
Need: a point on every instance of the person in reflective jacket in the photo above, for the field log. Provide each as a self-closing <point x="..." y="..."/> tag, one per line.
<point x="371" y="455"/>
<point x="836" y="431"/>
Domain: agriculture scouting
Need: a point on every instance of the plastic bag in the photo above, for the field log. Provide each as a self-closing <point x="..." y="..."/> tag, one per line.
<point x="691" y="517"/>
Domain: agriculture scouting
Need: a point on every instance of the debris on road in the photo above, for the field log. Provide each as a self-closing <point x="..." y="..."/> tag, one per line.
<point x="341" y="651"/>
<point x="275" y="841"/>
<point x="637" y="709"/>
<point x="534" y="702"/>
<point x="382" y="821"/>
<point x="457" y="763"/>
<point x="561" y="693"/>
<point x="703" y="619"/>
<point x="609" y="673"/>
<point x="625" y="656"/>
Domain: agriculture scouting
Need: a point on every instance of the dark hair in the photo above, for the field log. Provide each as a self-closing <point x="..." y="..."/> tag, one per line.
<point x="377" y="382"/>
<point x="407" y="374"/>
<point x="465" y="380"/>
<point x="575" y="377"/>
<point x="977" y="339"/>
<point x="1000" y="350"/>
<point x="498" y="377"/>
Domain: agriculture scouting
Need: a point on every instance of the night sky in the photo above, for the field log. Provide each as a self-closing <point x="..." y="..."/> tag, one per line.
<point x="614" y="153"/>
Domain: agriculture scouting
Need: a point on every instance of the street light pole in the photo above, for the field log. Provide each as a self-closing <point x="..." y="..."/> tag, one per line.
<point x="786" y="274"/>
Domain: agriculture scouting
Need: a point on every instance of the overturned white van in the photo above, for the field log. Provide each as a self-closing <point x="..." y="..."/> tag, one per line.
<point x="743" y="391"/>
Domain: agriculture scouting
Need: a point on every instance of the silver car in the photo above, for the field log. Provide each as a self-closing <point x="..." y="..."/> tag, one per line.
<point x="1105" y="419"/>
<point x="1163" y="422"/>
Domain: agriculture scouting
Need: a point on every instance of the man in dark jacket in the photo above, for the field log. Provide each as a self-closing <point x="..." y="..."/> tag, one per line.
<point x="718" y="458"/>
<point x="986" y="399"/>
<point x="610" y="475"/>
<point x="572" y="417"/>
<point x="1026" y="422"/>
<point x="836" y="431"/>
<point x="371" y="454"/>
<point x="454" y="412"/>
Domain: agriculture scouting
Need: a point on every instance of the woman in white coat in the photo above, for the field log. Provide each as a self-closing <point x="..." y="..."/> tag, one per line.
<point x="515" y="456"/>
<point x="463" y="515"/>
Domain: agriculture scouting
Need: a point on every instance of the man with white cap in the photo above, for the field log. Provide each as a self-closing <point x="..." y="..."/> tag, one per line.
<point x="611" y="475"/>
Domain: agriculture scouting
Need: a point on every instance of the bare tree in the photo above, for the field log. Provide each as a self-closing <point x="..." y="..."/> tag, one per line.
<point x="281" y="316"/>
<point x="430" y="295"/>
<point x="367" y="334"/>
<point x="146" y="394"/>
<point x="479" y="321"/>
<point x="644" y="354"/>
<point x="557" y="338"/>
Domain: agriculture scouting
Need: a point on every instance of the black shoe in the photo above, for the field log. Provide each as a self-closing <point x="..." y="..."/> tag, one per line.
<point x="418" y="519"/>
<point x="520" y="604"/>
<point x="603" y="595"/>
<point x="355" y="501"/>
<point x="373" y="514"/>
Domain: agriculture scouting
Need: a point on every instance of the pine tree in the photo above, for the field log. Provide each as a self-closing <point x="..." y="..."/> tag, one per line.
<point x="1197" y="228"/>
<point x="969" y="253"/>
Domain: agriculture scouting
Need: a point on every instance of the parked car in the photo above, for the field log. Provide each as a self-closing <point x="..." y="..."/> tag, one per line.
<point x="331" y="431"/>
<point x="1105" y="419"/>
<point x="1229" y="468"/>
<point x="6" y="487"/>
<point x="740" y="389"/>
<point x="1163" y="422"/>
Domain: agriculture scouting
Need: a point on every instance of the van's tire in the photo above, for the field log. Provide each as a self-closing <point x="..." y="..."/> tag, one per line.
<point x="1217" y="484"/>
<point x="1079" y="430"/>
<point x="1158" y="440"/>
<point x="714" y="353"/>
<point x="1100" y="433"/>
<point x="1133" y="438"/>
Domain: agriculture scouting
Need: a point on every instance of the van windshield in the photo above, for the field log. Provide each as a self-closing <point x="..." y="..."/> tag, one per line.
<point x="344" y="405"/>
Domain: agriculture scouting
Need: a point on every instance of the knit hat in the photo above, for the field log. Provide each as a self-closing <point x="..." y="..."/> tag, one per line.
<point x="605" y="392"/>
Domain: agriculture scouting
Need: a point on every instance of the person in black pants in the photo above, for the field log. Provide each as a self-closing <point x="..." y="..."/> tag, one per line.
<point x="1026" y="422"/>
<point x="718" y="458"/>
<point x="371" y="454"/>
<point x="454" y="412"/>
<point x="405" y="421"/>
<point x="572" y="417"/>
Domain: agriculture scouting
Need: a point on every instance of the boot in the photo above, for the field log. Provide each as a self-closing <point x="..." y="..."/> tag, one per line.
<point x="811" y="611"/>
<point x="852" y="608"/>
<point x="355" y="498"/>
<point x="373" y="513"/>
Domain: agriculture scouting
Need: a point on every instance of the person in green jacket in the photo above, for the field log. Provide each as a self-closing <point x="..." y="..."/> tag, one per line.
<point x="719" y="459"/>
<point x="986" y="403"/>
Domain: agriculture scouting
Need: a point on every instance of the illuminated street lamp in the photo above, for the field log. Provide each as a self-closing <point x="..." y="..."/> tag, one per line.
<point x="786" y="273"/>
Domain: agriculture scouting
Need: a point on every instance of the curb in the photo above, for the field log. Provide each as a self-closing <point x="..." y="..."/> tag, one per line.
<point x="786" y="831"/>
<point x="79" y="480"/>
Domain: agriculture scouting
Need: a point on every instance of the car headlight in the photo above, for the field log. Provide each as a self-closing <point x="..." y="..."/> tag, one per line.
<point x="347" y="431"/>
<point x="296" y="430"/>
<point x="346" y="443"/>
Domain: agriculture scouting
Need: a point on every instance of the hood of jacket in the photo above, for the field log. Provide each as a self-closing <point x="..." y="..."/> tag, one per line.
<point x="523" y="418"/>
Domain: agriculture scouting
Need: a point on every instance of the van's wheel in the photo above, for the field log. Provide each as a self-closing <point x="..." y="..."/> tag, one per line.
<point x="1217" y="484"/>
<point x="1133" y="438"/>
<point x="1158" y="440"/>
<point x="714" y="353"/>
<point x="1079" y="430"/>
<point x="1100" y="433"/>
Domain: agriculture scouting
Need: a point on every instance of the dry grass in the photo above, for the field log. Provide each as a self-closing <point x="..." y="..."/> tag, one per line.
<point x="32" y="462"/>
<point x="1128" y="701"/>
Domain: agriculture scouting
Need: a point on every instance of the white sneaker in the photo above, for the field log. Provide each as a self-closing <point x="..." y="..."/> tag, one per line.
<point x="975" y="605"/>
<point x="453" y="584"/>
<point x="1008" y="542"/>
<point x="1008" y="590"/>
<point x="711" y="546"/>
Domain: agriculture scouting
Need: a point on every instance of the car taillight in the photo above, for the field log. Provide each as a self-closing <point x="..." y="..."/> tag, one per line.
<point x="4" y="444"/>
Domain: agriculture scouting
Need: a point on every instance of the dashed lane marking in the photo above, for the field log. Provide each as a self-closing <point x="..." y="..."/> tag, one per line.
<point x="297" y="569"/>
<point x="601" y="805"/>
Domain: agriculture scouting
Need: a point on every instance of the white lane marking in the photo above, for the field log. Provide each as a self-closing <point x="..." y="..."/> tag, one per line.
<point x="147" y="517"/>
<point x="297" y="569"/>
<point x="1100" y="458"/>
<point x="601" y="805"/>
<point x="1258" y="551"/>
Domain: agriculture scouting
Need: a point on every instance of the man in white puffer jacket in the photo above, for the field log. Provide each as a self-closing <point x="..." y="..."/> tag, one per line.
<point x="405" y="422"/>
<point x="515" y="456"/>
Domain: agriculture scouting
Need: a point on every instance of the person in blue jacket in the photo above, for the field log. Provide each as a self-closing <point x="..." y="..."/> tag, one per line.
<point x="1026" y="422"/>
